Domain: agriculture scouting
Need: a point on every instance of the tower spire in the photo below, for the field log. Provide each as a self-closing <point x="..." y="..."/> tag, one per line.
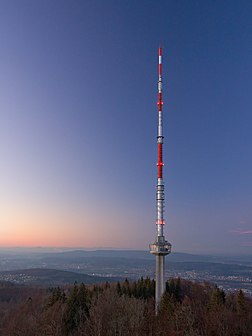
<point x="160" y="248"/>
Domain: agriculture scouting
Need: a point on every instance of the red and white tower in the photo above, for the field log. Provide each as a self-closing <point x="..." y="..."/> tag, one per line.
<point x="160" y="248"/>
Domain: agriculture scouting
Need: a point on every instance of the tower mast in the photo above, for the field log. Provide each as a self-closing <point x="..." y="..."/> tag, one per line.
<point x="160" y="248"/>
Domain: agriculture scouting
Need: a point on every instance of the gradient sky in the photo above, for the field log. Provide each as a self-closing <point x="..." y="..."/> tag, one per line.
<point x="78" y="91"/>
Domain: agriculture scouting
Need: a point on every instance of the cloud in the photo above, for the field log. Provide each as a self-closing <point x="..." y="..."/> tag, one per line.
<point x="242" y="231"/>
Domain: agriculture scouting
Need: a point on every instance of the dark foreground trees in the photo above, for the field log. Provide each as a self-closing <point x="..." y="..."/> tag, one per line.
<point x="125" y="308"/>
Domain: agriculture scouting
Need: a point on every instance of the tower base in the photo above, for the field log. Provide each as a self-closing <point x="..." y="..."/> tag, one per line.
<point x="160" y="279"/>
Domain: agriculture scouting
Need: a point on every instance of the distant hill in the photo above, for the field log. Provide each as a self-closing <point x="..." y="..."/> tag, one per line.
<point x="51" y="277"/>
<point x="78" y="255"/>
<point x="131" y="254"/>
<point x="135" y="258"/>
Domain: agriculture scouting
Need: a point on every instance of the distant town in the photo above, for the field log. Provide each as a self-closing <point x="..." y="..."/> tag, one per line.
<point x="228" y="273"/>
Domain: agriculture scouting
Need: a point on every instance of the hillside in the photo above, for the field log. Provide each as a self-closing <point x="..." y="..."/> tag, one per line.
<point x="50" y="277"/>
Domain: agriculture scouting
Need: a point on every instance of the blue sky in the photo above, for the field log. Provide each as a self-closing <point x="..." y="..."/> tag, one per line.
<point x="78" y="90"/>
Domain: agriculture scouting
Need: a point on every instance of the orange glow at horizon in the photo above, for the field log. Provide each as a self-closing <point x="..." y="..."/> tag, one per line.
<point x="26" y="227"/>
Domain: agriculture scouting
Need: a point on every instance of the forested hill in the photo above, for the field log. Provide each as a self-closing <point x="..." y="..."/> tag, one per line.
<point x="124" y="308"/>
<point x="51" y="277"/>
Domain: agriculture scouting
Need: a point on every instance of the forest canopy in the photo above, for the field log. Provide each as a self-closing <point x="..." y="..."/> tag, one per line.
<point x="124" y="308"/>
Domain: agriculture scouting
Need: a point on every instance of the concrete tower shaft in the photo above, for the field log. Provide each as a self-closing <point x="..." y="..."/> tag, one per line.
<point x="160" y="248"/>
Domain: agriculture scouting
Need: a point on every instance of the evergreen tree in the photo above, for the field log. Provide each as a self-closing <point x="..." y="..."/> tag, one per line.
<point x="240" y="303"/>
<point x="217" y="298"/>
<point x="77" y="307"/>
